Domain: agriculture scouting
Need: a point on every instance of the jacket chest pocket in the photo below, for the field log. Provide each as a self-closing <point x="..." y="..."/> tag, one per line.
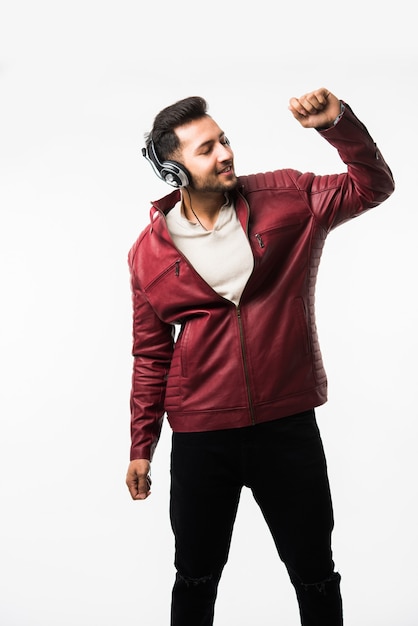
<point x="177" y="291"/>
<point x="164" y="292"/>
<point x="264" y="238"/>
<point x="173" y="270"/>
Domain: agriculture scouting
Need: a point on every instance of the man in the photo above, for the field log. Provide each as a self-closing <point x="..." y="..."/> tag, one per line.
<point x="232" y="262"/>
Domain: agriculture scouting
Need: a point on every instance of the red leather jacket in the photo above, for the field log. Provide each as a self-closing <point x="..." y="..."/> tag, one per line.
<point x="234" y="366"/>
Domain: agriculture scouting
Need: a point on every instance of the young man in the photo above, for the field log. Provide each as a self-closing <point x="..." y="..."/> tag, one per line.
<point x="232" y="262"/>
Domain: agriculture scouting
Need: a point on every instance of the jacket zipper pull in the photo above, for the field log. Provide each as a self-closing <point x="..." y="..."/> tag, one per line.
<point x="177" y="268"/>
<point x="260" y="240"/>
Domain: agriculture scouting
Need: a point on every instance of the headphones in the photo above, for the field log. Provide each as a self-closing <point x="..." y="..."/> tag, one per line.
<point x="170" y="172"/>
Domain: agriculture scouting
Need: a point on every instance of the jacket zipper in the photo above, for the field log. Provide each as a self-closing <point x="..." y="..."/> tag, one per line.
<point x="244" y="359"/>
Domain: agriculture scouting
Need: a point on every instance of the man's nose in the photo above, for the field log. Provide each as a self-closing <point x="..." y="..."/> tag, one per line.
<point x="224" y="152"/>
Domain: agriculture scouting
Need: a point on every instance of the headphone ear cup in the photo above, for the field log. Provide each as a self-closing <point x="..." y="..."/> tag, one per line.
<point x="174" y="174"/>
<point x="170" y="172"/>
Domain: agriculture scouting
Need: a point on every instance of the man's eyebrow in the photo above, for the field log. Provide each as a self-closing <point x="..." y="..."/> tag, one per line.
<point x="209" y="141"/>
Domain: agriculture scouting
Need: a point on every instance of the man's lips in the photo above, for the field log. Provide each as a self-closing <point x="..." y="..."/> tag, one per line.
<point x="226" y="170"/>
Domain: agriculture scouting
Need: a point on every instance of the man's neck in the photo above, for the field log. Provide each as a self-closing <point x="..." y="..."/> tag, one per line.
<point x="202" y="207"/>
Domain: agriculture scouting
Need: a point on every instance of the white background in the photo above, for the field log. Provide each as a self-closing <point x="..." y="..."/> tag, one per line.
<point x="80" y="85"/>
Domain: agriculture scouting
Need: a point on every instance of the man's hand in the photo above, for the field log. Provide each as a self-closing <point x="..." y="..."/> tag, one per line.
<point x="317" y="109"/>
<point x="138" y="479"/>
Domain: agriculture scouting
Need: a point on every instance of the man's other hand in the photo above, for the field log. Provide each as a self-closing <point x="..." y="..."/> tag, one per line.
<point x="138" y="479"/>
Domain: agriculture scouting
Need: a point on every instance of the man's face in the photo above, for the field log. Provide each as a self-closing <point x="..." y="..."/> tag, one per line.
<point x="205" y="153"/>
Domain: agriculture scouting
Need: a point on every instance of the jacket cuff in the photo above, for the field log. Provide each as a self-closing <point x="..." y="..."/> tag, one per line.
<point x="337" y="119"/>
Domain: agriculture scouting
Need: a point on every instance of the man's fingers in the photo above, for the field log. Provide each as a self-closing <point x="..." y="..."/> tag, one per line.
<point x="314" y="101"/>
<point x="143" y="491"/>
<point x="144" y="486"/>
<point x="309" y="103"/>
<point x="295" y="105"/>
<point x="138" y="480"/>
<point x="139" y="488"/>
<point x="316" y="109"/>
<point x="132" y="483"/>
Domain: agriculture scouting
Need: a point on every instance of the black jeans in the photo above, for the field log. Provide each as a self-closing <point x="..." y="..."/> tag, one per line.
<point x="283" y="463"/>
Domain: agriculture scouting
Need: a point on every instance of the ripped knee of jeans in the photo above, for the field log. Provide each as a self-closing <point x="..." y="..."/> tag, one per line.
<point x="323" y="586"/>
<point x="194" y="582"/>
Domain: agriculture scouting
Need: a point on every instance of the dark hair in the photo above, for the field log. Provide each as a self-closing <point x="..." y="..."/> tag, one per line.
<point x="163" y="134"/>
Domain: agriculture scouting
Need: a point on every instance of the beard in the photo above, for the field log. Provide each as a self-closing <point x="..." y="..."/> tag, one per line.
<point x="213" y="184"/>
